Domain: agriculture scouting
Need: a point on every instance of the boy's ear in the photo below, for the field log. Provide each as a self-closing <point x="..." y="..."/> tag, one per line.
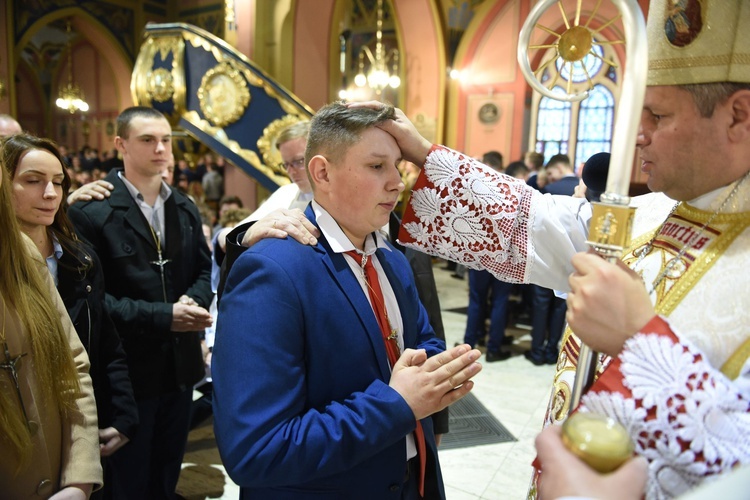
<point x="119" y="144"/>
<point x="319" y="169"/>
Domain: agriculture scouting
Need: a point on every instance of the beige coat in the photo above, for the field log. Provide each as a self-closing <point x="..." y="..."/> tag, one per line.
<point x="66" y="451"/>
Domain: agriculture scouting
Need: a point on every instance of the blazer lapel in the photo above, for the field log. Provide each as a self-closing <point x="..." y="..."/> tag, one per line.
<point x="341" y="272"/>
<point x="173" y="228"/>
<point x="141" y="226"/>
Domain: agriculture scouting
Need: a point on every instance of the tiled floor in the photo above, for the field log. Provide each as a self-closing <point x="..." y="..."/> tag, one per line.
<point x="515" y="391"/>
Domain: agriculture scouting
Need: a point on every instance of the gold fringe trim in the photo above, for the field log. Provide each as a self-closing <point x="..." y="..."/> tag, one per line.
<point x="699" y="61"/>
<point x="736" y="222"/>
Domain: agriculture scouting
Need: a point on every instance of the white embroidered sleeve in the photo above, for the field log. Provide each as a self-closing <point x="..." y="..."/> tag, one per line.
<point x="469" y="213"/>
<point x="689" y="420"/>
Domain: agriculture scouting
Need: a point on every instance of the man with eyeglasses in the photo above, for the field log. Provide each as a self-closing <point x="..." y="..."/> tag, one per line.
<point x="291" y="144"/>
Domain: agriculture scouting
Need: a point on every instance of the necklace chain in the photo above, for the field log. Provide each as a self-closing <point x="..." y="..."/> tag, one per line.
<point x="161" y="260"/>
<point x="678" y="258"/>
<point x="362" y="265"/>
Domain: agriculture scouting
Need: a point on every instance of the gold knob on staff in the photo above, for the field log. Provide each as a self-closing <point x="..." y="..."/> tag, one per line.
<point x="600" y="441"/>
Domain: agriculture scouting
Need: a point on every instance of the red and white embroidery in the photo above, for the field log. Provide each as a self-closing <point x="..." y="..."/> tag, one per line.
<point x="685" y="417"/>
<point x="466" y="212"/>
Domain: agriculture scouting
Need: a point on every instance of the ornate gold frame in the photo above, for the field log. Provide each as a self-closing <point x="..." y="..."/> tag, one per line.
<point x="267" y="142"/>
<point x="223" y="94"/>
<point x="160" y="84"/>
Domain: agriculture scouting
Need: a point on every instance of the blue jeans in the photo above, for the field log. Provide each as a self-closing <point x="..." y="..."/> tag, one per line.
<point x="547" y="325"/>
<point x="484" y="286"/>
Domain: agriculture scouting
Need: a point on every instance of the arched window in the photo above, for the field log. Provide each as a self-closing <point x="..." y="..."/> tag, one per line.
<point x="578" y="129"/>
<point x="595" y="119"/>
<point x="553" y="126"/>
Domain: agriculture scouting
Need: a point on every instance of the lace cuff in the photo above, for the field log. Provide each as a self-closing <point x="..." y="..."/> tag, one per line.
<point x="466" y="212"/>
<point x="685" y="416"/>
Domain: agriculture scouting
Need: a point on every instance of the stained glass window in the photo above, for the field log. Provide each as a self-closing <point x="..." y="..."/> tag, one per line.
<point x="584" y="127"/>
<point x="553" y="126"/>
<point x="592" y="63"/>
<point x="595" y="118"/>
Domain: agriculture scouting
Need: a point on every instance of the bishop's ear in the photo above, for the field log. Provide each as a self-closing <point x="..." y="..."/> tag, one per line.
<point x="740" y="102"/>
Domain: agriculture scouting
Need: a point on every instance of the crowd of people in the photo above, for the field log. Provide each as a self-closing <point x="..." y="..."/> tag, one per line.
<point x="329" y="376"/>
<point x="202" y="181"/>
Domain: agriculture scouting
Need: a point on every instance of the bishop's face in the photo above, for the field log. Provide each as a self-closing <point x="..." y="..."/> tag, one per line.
<point x="684" y="154"/>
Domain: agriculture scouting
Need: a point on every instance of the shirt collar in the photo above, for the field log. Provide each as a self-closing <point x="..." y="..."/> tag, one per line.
<point x="164" y="191"/>
<point x="57" y="248"/>
<point x="335" y="236"/>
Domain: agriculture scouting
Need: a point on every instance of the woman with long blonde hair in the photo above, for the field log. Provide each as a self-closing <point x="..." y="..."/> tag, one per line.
<point x="48" y="425"/>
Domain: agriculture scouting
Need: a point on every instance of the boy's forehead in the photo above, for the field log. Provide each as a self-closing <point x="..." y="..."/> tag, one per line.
<point x="146" y="125"/>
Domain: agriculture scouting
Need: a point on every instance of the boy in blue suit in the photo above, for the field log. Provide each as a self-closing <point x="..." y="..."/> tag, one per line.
<point x="307" y="404"/>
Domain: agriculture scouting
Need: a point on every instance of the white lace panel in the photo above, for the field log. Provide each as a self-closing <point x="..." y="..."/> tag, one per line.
<point x="686" y="418"/>
<point x="472" y="214"/>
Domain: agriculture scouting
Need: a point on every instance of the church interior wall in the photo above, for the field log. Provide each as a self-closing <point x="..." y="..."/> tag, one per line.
<point x="294" y="42"/>
<point x="28" y="108"/>
<point x="489" y="98"/>
<point x="312" y="26"/>
<point x="425" y="67"/>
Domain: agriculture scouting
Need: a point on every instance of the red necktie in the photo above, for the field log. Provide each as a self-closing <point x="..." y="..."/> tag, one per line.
<point x="391" y="344"/>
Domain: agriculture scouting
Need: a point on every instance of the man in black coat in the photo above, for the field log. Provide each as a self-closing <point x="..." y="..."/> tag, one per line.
<point x="562" y="178"/>
<point x="157" y="270"/>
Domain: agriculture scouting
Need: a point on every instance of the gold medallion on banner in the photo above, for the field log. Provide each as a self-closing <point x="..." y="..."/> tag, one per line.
<point x="223" y="94"/>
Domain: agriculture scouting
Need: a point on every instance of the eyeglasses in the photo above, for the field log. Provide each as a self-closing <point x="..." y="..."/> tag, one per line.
<point x="297" y="163"/>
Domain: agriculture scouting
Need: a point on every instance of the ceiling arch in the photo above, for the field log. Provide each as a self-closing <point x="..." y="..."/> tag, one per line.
<point x="98" y="36"/>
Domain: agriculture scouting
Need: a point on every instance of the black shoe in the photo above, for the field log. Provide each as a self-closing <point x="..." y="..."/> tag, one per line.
<point x="523" y="321"/>
<point x="537" y="362"/>
<point x="551" y="361"/>
<point x="457" y="276"/>
<point x="496" y="356"/>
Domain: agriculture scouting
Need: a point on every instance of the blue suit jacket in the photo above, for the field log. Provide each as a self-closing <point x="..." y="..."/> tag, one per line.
<point x="566" y="185"/>
<point x="301" y="397"/>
